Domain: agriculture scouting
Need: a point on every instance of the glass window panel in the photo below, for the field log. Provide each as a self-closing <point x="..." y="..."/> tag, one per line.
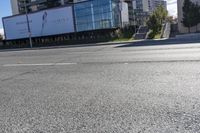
<point x="96" y="14"/>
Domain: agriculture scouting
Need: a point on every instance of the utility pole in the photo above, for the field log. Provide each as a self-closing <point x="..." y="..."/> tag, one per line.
<point x="28" y="25"/>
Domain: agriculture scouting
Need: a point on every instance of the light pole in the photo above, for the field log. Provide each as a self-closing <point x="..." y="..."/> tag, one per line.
<point x="28" y="25"/>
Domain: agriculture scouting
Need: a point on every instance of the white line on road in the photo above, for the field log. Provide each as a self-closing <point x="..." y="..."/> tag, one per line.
<point x="43" y="64"/>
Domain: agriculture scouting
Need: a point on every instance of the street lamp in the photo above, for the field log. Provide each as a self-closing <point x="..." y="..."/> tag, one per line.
<point x="28" y="25"/>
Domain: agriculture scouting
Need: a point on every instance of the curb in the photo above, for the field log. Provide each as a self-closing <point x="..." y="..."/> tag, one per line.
<point x="67" y="46"/>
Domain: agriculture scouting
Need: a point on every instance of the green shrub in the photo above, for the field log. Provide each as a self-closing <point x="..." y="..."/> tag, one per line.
<point x="126" y="32"/>
<point x="156" y="20"/>
<point x="151" y="35"/>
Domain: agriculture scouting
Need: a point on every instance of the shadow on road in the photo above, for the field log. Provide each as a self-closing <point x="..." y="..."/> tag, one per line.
<point x="56" y="47"/>
<point x="119" y="45"/>
<point x="159" y="42"/>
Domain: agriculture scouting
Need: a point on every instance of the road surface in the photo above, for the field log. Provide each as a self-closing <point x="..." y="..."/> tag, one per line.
<point x="101" y="89"/>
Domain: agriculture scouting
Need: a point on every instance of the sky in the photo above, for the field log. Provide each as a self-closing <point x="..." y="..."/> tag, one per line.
<point x="5" y="10"/>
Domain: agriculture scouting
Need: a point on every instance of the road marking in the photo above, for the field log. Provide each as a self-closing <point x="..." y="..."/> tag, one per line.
<point x="43" y="64"/>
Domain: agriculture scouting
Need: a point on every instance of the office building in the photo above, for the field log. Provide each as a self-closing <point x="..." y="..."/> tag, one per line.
<point x="182" y="29"/>
<point x="140" y="11"/>
<point x="97" y="14"/>
<point x="18" y="6"/>
<point x="153" y="4"/>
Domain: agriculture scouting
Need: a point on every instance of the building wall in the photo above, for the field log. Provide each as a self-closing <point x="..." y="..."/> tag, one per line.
<point x="141" y="5"/>
<point x="131" y="7"/>
<point x="96" y="14"/>
<point x="182" y="29"/>
<point x="136" y="8"/>
<point x="141" y="11"/>
<point x="153" y="4"/>
<point x="124" y="14"/>
<point x="145" y="5"/>
<point x="14" y="6"/>
<point x="18" y="6"/>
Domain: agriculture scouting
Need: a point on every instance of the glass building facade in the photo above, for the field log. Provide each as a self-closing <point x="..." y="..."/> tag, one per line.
<point x="96" y="14"/>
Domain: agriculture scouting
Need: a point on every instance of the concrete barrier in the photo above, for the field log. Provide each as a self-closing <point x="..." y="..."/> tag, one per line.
<point x="167" y="30"/>
<point x="191" y="36"/>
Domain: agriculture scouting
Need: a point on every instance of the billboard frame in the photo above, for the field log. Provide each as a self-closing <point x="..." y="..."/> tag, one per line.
<point x="73" y="18"/>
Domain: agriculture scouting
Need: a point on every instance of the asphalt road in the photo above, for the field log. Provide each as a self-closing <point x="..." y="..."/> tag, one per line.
<point x="101" y="89"/>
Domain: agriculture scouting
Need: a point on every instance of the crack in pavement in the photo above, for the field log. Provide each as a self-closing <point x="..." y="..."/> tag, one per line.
<point x="17" y="75"/>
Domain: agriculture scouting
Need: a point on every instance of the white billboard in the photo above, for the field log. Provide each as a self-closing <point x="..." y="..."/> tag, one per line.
<point x="42" y="23"/>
